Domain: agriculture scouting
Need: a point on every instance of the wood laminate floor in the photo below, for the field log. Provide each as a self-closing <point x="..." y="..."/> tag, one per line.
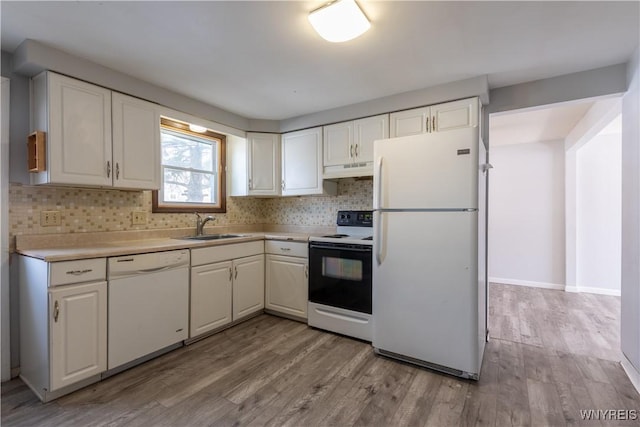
<point x="551" y="355"/>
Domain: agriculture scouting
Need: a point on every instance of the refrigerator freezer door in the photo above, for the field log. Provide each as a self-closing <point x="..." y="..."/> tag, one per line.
<point x="425" y="287"/>
<point x="428" y="171"/>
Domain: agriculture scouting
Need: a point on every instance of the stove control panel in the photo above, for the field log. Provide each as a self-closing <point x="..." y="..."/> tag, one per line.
<point x="355" y="218"/>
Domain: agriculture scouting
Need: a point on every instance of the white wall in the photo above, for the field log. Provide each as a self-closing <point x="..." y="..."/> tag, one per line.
<point x="526" y="221"/>
<point x="630" y="307"/>
<point x="598" y="215"/>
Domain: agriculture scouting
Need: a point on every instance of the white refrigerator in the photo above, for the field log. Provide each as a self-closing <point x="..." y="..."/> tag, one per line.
<point x="429" y="271"/>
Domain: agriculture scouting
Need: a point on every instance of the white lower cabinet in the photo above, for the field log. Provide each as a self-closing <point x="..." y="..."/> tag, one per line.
<point x="63" y="324"/>
<point x="248" y="286"/>
<point x="227" y="284"/>
<point x="286" y="278"/>
<point x="211" y="293"/>
<point x="78" y="332"/>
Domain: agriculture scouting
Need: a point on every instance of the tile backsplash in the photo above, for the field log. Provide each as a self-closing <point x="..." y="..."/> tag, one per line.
<point x="91" y="210"/>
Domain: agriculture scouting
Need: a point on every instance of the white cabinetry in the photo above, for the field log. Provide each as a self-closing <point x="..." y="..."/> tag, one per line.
<point x="255" y="165"/>
<point x="248" y="286"/>
<point x="302" y="164"/>
<point x="286" y="278"/>
<point x="136" y="143"/>
<point x="63" y="324"/>
<point x="435" y="118"/>
<point x="348" y="146"/>
<point x="227" y="284"/>
<point x="84" y="146"/>
<point x="211" y="292"/>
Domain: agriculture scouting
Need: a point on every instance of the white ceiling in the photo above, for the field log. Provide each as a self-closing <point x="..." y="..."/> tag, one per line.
<point x="263" y="60"/>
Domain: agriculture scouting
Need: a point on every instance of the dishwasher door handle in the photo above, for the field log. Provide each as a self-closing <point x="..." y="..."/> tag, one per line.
<point x="128" y="273"/>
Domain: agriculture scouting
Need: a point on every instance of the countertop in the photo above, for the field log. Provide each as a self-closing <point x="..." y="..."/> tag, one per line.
<point x="74" y="251"/>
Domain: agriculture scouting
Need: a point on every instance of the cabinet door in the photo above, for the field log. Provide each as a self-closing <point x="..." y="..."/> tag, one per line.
<point x="248" y="285"/>
<point x="338" y="144"/>
<point x="79" y="140"/>
<point x="78" y="332"/>
<point x="264" y="164"/>
<point x="302" y="162"/>
<point x="210" y="297"/>
<point x="410" y="122"/>
<point x="454" y="115"/>
<point x="136" y="143"/>
<point x="366" y="131"/>
<point x="287" y="286"/>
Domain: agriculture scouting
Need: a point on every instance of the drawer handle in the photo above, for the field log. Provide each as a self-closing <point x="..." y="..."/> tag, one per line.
<point x="56" y="311"/>
<point x="285" y="249"/>
<point x="79" y="272"/>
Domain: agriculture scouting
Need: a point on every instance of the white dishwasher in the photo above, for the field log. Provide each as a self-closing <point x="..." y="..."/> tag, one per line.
<point x="148" y="304"/>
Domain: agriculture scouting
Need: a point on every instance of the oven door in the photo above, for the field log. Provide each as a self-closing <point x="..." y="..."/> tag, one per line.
<point x="340" y="275"/>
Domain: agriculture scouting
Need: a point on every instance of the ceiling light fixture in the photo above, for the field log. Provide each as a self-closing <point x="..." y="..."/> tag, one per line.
<point x="197" y="128"/>
<point x="339" y="21"/>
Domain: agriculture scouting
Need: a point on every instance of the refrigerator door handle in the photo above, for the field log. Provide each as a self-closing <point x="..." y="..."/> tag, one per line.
<point x="378" y="191"/>
<point x="378" y="233"/>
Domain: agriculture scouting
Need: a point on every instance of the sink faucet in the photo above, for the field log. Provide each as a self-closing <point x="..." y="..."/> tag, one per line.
<point x="200" y="222"/>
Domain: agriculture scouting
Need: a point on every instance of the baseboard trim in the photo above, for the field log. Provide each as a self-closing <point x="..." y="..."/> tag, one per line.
<point x="589" y="290"/>
<point x="631" y="371"/>
<point x="531" y="284"/>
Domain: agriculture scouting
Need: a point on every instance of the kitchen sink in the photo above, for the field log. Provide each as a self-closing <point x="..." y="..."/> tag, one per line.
<point x="212" y="237"/>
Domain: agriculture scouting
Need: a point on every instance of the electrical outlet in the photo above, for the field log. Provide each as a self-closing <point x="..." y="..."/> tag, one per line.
<point x="49" y="218"/>
<point x="138" y="217"/>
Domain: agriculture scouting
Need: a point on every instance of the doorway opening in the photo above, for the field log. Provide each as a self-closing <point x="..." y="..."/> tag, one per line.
<point x="555" y="227"/>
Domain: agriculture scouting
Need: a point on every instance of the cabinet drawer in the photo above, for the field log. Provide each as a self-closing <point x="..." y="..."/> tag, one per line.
<point x="278" y="247"/>
<point x="85" y="270"/>
<point x="226" y="252"/>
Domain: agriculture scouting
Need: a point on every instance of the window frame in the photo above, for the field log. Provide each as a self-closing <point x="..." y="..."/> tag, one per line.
<point x="220" y="207"/>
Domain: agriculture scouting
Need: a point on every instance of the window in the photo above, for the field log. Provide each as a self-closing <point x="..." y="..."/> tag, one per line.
<point x="192" y="170"/>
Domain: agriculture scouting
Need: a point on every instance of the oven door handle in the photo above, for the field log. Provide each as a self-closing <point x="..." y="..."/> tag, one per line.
<point x="341" y="248"/>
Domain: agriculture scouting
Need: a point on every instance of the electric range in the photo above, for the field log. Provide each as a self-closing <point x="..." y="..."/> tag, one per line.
<point x="340" y="265"/>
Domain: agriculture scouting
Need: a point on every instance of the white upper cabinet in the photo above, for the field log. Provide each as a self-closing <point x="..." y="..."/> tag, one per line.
<point x="253" y="165"/>
<point x="302" y="164"/>
<point x="436" y="118"/>
<point x="136" y="143"/>
<point x="410" y="122"/>
<point x="366" y="131"/>
<point x="264" y="164"/>
<point x="454" y="115"/>
<point x="85" y="145"/>
<point x="77" y="118"/>
<point x="348" y="146"/>
<point x="338" y="144"/>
